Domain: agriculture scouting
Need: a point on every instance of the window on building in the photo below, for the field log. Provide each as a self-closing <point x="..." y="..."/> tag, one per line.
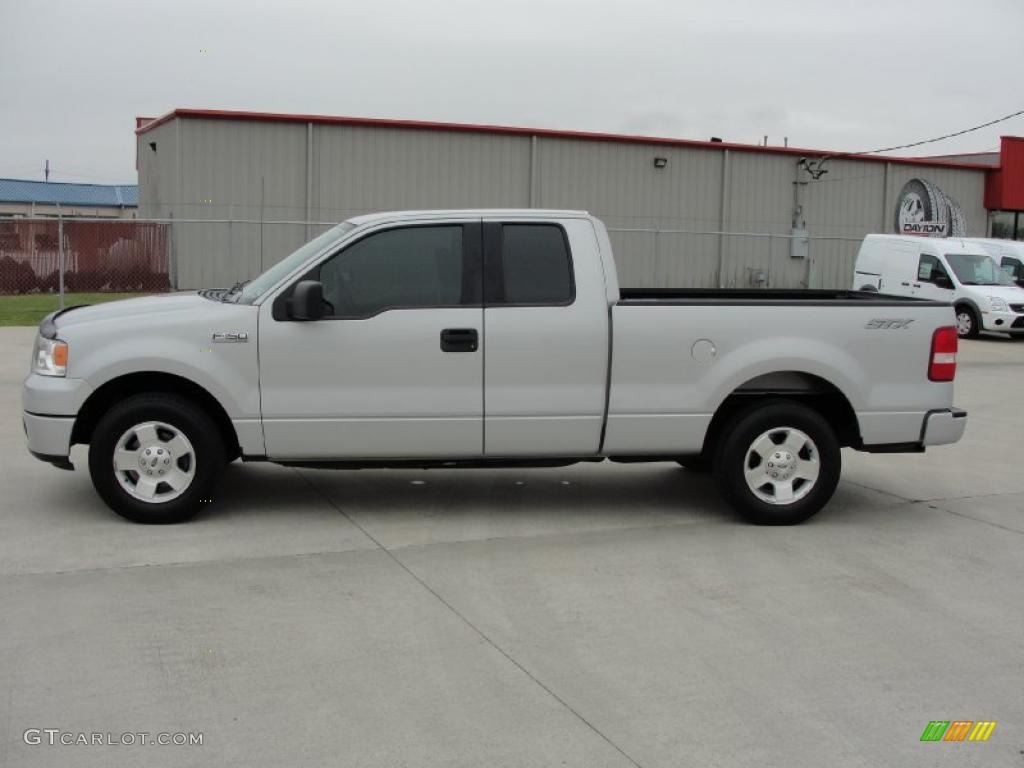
<point x="1007" y="225"/>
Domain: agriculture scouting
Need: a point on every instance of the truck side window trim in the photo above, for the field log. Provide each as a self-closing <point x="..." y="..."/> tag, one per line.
<point x="493" y="262"/>
<point x="471" y="279"/>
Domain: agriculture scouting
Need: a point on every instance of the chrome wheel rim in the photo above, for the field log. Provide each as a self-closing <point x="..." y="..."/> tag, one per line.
<point x="154" y="462"/>
<point x="782" y="466"/>
<point x="964" y="323"/>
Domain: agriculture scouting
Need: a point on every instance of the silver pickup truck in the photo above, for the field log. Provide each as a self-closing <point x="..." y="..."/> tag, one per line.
<point x="485" y="339"/>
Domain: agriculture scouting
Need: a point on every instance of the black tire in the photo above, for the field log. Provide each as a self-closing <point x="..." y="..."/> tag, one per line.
<point x="921" y="201"/>
<point x="774" y="417"/>
<point x="967" y="323"/>
<point x="180" y="414"/>
<point x="699" y="465"/>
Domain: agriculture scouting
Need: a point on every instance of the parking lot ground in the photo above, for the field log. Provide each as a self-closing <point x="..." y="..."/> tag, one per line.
<point x="598" y="615"/>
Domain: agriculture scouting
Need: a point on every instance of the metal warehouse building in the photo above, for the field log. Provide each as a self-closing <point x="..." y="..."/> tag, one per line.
<point x="244" y="189"/>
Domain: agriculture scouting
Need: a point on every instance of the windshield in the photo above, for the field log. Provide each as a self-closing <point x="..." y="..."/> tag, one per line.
<point x="256" y="288"/>
<point x="975" y="269"/>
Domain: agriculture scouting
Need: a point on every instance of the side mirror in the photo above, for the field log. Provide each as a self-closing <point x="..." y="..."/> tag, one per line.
<point x="307" y="301"/>
<point x="944" y="281"/>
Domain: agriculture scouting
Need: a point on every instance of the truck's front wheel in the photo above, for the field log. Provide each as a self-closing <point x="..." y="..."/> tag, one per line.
<point x="778" y="463"/>
<point x="155" y="458"/>
<point x="967" y="325"/>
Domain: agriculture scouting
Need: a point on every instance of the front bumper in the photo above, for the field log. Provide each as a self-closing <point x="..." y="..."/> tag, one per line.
<point x="53" y="395"/>
<point x="49" y="405"/>
<point x="49" y="437"/>
<point x="1002" y="321"/>
<point x="943" y="426"/>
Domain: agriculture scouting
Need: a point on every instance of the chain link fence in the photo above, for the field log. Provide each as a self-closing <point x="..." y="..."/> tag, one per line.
<point x="71" y="255"/>
<point x="50" y="256"/>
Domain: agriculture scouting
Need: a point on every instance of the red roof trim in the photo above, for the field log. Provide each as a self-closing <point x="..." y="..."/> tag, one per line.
<point x="505" y="130"/>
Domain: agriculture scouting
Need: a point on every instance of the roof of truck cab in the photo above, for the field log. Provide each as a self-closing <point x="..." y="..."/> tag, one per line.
<point x="474" y="213"/>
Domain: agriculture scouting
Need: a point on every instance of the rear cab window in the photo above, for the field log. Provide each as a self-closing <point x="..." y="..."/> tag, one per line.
<point x="529" y="265"/>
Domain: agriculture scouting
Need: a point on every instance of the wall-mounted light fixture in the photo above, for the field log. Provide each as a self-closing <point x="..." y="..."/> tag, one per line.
<point x="660" y="162"/>
<point x="152" y="145"/>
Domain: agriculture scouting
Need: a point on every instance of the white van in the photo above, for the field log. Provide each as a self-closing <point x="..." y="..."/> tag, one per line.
<point x="948" y="269"/>
<point x="1009" y="254"/>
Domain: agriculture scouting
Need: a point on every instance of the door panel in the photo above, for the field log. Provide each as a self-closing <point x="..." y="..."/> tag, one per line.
<point x="547" y="351"/>
<point x="375" y="379"/>
<point x="374" y="388"/>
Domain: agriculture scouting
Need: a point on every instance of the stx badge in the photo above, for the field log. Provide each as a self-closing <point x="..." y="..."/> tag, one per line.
<point x="887" y="325"/>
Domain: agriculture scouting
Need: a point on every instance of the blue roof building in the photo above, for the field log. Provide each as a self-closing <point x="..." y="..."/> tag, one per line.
<point x="22" y="197"/>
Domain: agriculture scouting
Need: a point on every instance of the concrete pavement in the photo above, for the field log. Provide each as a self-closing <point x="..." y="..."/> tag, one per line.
<point x="599" y="615"/>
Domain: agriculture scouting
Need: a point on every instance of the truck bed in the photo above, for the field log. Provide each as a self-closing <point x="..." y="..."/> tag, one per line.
<point x="675" y="358"/>
<point x="748" y="296"/>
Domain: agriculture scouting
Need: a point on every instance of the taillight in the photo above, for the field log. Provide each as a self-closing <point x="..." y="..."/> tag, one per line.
<point x="943" y="360"/>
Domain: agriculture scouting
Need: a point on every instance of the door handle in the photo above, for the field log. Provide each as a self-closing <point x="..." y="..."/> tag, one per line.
<point x="459" y="340"/>
<point x="917" y="285"/>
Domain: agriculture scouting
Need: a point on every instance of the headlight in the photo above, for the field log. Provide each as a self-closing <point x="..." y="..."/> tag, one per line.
<point x="50" y="357"/>
<point x="997" y="305"/>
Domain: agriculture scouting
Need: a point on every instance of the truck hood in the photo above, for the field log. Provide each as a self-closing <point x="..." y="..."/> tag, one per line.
<point x="127" y="308"/>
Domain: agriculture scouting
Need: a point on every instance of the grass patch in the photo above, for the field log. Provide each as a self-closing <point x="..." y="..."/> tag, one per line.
<point x="30" y="308"/>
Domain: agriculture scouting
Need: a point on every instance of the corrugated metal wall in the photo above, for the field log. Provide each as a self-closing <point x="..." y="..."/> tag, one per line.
<point x="664" y="222"/>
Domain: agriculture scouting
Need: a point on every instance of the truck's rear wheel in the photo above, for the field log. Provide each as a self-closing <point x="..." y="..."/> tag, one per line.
<point x="155" y="458"/>
<point x="778" y="463"/>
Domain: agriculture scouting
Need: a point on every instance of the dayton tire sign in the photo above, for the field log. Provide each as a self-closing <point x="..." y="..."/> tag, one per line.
<point x="924" y="209"/>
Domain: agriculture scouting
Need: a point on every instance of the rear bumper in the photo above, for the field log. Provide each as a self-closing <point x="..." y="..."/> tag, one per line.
<point x="943" y="427"/>
<point x="937" y="427"/>
<point x="49" y="437"/>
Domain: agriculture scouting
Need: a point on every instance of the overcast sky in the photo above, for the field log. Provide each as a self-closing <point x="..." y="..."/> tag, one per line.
<point x="832" y="74"/>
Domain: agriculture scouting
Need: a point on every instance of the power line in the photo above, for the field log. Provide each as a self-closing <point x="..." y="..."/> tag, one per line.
<point x="816" y="168"/>
<point x="941" y="138"/>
